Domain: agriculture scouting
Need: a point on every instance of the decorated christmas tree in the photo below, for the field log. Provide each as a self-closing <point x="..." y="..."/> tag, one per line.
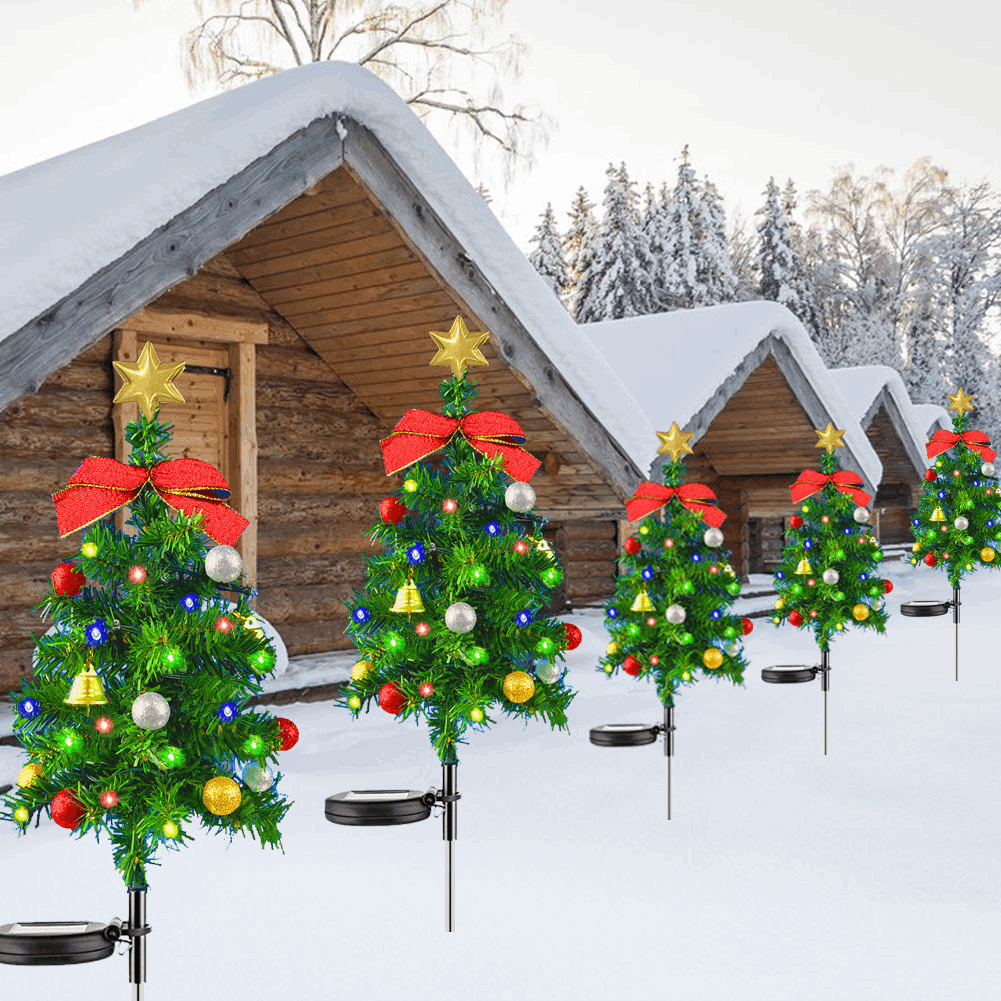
<point x="450" y="624"/>
<point x="669" y="620"/>
<point x="956" y="523"/>
<point x="828" y="577"/>
<point x="145" y="637"/>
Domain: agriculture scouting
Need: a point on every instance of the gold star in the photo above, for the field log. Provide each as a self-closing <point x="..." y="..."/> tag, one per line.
<point x="147" y="381"/>
<point x="830" y="438"/>
<point x="674" y="442"/>
<point x="459" y="348"/>
<point x="961" y="402"/>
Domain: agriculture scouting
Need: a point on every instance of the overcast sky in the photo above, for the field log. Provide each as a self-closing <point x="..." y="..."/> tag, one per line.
<point x="755" y="89"/>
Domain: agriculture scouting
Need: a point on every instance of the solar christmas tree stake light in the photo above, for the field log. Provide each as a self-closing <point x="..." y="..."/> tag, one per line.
<point x="449" y="624"/>
<point x="956" y="524"/>
<point x="668" y="619"/>
<point x="828" y="579"/>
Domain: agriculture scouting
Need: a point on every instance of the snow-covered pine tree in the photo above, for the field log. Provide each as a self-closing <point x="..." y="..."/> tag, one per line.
<point x="682" y="288"/>
<point x="616" y="284"/>
<point x="547" y="258"/>
<point x="578" y="248"/>
<point x="654" y="230"/>
<point x="714" y="271"/>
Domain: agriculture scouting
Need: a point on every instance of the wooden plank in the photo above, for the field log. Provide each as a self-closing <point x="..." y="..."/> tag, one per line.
<point x="333" y="308"/>
<point x="370" y="244"/>
<point x="280" y="230"/>
<point x="336" y="189"/>
<point x="125" y="348"/>
<point x="362" y="267"/>
<point x="172" y="252"/>
<point x="207" y="326"/>
<point x="243" y="450"/>
<point x="297" y="570"/>
<point x="379" y="311"/>
<point x="360" y="285"/>
<point x="217" y="294"/>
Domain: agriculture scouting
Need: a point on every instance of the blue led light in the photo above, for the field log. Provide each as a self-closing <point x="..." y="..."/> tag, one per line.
<point x="716" y="613"/>
<point x="941" y="495"/>
<point x="808" y="543"/>
<point x="492" y="528"/>
<point x="227" y="711"/>
<point x="523" y="618"/>
<point x="779" y="575"/>
<point x="848" y="531"/>
<point x="190" y="602"/>
<point x="696" y="557"/>
<point x="990" y="523"/>
<point x="647" y="573"/>
<point x="612" y="613"/>
<point x="415" y="554"/>
<point x="863" y="576"/>
<point x="97" y="633"/>
<point x="361" y="614"/>
<point x="28" y="708"/>
<point x="916" y="522"/>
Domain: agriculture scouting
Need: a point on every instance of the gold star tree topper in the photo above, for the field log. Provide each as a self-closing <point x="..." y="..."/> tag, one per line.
<point x="675" y="442"/>
<point x="148" y="381"/>
<point x="961" y="401"/>
<point x="459" y="348"/>
<point x="830" y="438"/>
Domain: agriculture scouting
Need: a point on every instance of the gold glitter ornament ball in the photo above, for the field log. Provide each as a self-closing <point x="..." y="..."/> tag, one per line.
<point x="712" y="658"/>
<point x="987" y="554"/>
<point x="860" y="613"/>
<point x="612" y="649"/>
<point x="360" y="670"/>
<point x="221" y="796"/>
<point x="29" y="775"/>
<point x="518" y="687"/>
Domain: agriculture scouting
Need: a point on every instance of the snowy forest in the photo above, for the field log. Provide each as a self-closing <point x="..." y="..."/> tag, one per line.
<point x="906" y="275"/>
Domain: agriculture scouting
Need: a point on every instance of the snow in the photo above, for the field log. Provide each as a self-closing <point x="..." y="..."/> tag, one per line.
<point x="65" y="219"/>
<point x="861" y="384"/>
<point x="871" y="874"/>
<point x="675" y="362"/>
<point x="931" y="416"/>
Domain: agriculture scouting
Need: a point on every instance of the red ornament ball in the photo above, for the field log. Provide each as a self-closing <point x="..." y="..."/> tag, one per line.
<point x="426" y="690"/>
<point x="931" y="559"/>
<point x="795" y="521"/>
<point x="391" y="699"/>
<point x="137" y="575"/>
<point x="66" y="810"/>
<point x="887" y="586"/>
<point x="930" y="475"/>
<point x="747" y="625"/>
<point x="632" y="545"/>
<point x="103" y="725"/>
<point x="288" y="734"/>
<point x="631" y="666"/>
<point x="422" y="629"/>
<point x="520" y="547"/>
<point x="109" y="798"/>
<point x="449" y="506"/>
<point x="223" y="625"/>
<point x="795" y="619"/>
<point x="574" y="635"/>
<point x="392" y="510"/>
<point x="67" y="580"/>
<point x="654" y="660"/>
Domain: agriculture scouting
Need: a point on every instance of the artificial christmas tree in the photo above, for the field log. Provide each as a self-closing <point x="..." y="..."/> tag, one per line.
<point x="956" y="523"/>
<point x="829" y="574"/>
<point x="145" y="636"/>
<point x="669" y="620"/>
<point x="449" y="624"/>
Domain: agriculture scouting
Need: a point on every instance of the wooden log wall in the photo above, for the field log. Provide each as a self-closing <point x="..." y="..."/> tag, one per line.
<point x="588" y="551"/>
<point x="43" y="438"/>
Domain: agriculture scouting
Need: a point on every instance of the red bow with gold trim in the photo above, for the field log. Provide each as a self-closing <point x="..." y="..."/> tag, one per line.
<point x="810" y="481"/>
<point x="975" y="441"/>
<point x="696" y="497"/>
<point x="420" y="433"/>
<point x="101" y="485"/>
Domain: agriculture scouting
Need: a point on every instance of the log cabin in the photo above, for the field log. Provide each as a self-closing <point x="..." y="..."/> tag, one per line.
<point x="293" y="242"/>
<point x="747" y="380"/>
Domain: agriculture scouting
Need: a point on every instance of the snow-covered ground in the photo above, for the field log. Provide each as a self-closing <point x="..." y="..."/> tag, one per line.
<point x="870" y="875"/>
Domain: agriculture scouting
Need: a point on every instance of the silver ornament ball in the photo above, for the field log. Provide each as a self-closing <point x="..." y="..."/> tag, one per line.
<point x="150" y="711"/>
<point x="548" y="671"/>
<point x="987" y="469"/>
<point x="861" y="515"/>
<point x="730" y="649"/>
<point x="257" y="778"/>
<point x="961" y="523"/>
<point x="713" y="537"/>
<point x="460" y="617"/>
<point x="223" y="563"/>
<point x="831" y="577"/>
<point x="519" y="497"/>
<point x="675" y="614"/>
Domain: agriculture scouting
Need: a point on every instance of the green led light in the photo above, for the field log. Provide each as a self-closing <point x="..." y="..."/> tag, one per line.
<point x="354" y="702"/>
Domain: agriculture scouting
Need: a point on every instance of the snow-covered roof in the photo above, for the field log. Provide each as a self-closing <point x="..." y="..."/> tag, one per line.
<point x="868" y="387"/>
<point x="931" y="417"/>
<point x="686" y="364"/>
<point x="68" y="219"/>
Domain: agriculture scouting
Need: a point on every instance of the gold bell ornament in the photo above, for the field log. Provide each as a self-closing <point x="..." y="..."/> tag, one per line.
<point x="87" y="689"/>
<point x="642" y="602"/>
<point x="804" y="567"/>
<point x="408" y="599"/>
<point x="937" y="515"/>
<point x="543" y="547"/>
<point x="251" y="624"/>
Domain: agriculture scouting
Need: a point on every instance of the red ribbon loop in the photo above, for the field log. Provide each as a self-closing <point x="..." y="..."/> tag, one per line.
<point x="420" y="433"/>
<point x="101" y="485"/>
<point x="810" y="482"/>
<point x="975" y="441"/>
<point x="696" y="497"/>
